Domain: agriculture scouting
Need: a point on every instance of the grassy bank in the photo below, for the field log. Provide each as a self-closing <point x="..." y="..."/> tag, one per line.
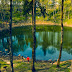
<point x="42" y="66"/>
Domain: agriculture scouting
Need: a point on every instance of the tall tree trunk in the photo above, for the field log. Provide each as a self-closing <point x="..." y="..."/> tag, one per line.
<point x="58" y="62"/>
<point x="10" y="39"/>
<point x="34" y="37"/>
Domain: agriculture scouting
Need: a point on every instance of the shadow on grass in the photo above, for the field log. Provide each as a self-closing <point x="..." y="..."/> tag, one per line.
<point x="43" y="69"/>
<point x="64" y="67"/>
<point x="53" y="68"/>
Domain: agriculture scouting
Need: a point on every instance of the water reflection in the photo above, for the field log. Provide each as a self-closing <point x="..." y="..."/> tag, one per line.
<point x="51" y="50"/>
<point x="47" y="44"/>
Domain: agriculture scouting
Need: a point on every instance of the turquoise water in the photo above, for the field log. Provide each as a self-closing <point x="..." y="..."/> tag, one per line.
<point x="47" y="42"/>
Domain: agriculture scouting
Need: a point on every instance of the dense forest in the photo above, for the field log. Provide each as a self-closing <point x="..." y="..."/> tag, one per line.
<point x="46" y="10"/>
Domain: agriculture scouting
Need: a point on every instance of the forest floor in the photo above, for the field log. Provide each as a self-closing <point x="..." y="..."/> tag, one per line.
<point x="40" y="66"/>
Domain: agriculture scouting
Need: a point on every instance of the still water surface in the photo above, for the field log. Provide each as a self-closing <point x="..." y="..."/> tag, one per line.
<point x="47" y="43"/>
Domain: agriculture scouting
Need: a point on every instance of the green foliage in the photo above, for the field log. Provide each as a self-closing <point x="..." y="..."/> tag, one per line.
<point x="27" y="6"/>
<point x="22" y="12"/>
<point x="18" y="19"/>
<point x="68" y="21"/>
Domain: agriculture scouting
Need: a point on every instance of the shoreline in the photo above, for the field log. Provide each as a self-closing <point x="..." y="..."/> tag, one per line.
<point x="40" y="65"/>
<point x="37" y="23"/>
<point x="19" y="58"/>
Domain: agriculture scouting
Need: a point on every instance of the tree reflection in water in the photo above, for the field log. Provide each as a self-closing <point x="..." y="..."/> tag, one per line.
<point x="48" y="40"/>
<point x="51" y="50"/>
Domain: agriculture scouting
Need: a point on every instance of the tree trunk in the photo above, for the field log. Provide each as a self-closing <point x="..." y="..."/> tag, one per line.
<point x="68" y="14"/>
<point x="58" y="62"/>
<point x="34" y="37"/>
<point x="10" y="39"/>
<point x="55" y="10"/>
<point x="2" y="16"/>
<point x="53" y="14"/>
<point x="64" y="13"/>
<point x="47" y="10"/>
<point x="2" y="19"/>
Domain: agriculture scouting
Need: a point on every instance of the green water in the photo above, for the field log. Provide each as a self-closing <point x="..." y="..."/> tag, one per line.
<point x="47" y="42"/>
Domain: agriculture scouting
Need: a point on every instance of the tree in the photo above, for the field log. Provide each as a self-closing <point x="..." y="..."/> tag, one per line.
<point x="58" y="62"/>
<point x="33" y="31"/>
<point x="45" y="42"/>
<point x="10" y="39"/>
<point x="2" y="12"/>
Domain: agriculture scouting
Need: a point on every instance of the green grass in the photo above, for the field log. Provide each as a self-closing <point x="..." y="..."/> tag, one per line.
<point x="23" y="67"/>
<point x="39" y="66"/>
<point x="2" y="64"/>
<point x="69" y="21"/>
